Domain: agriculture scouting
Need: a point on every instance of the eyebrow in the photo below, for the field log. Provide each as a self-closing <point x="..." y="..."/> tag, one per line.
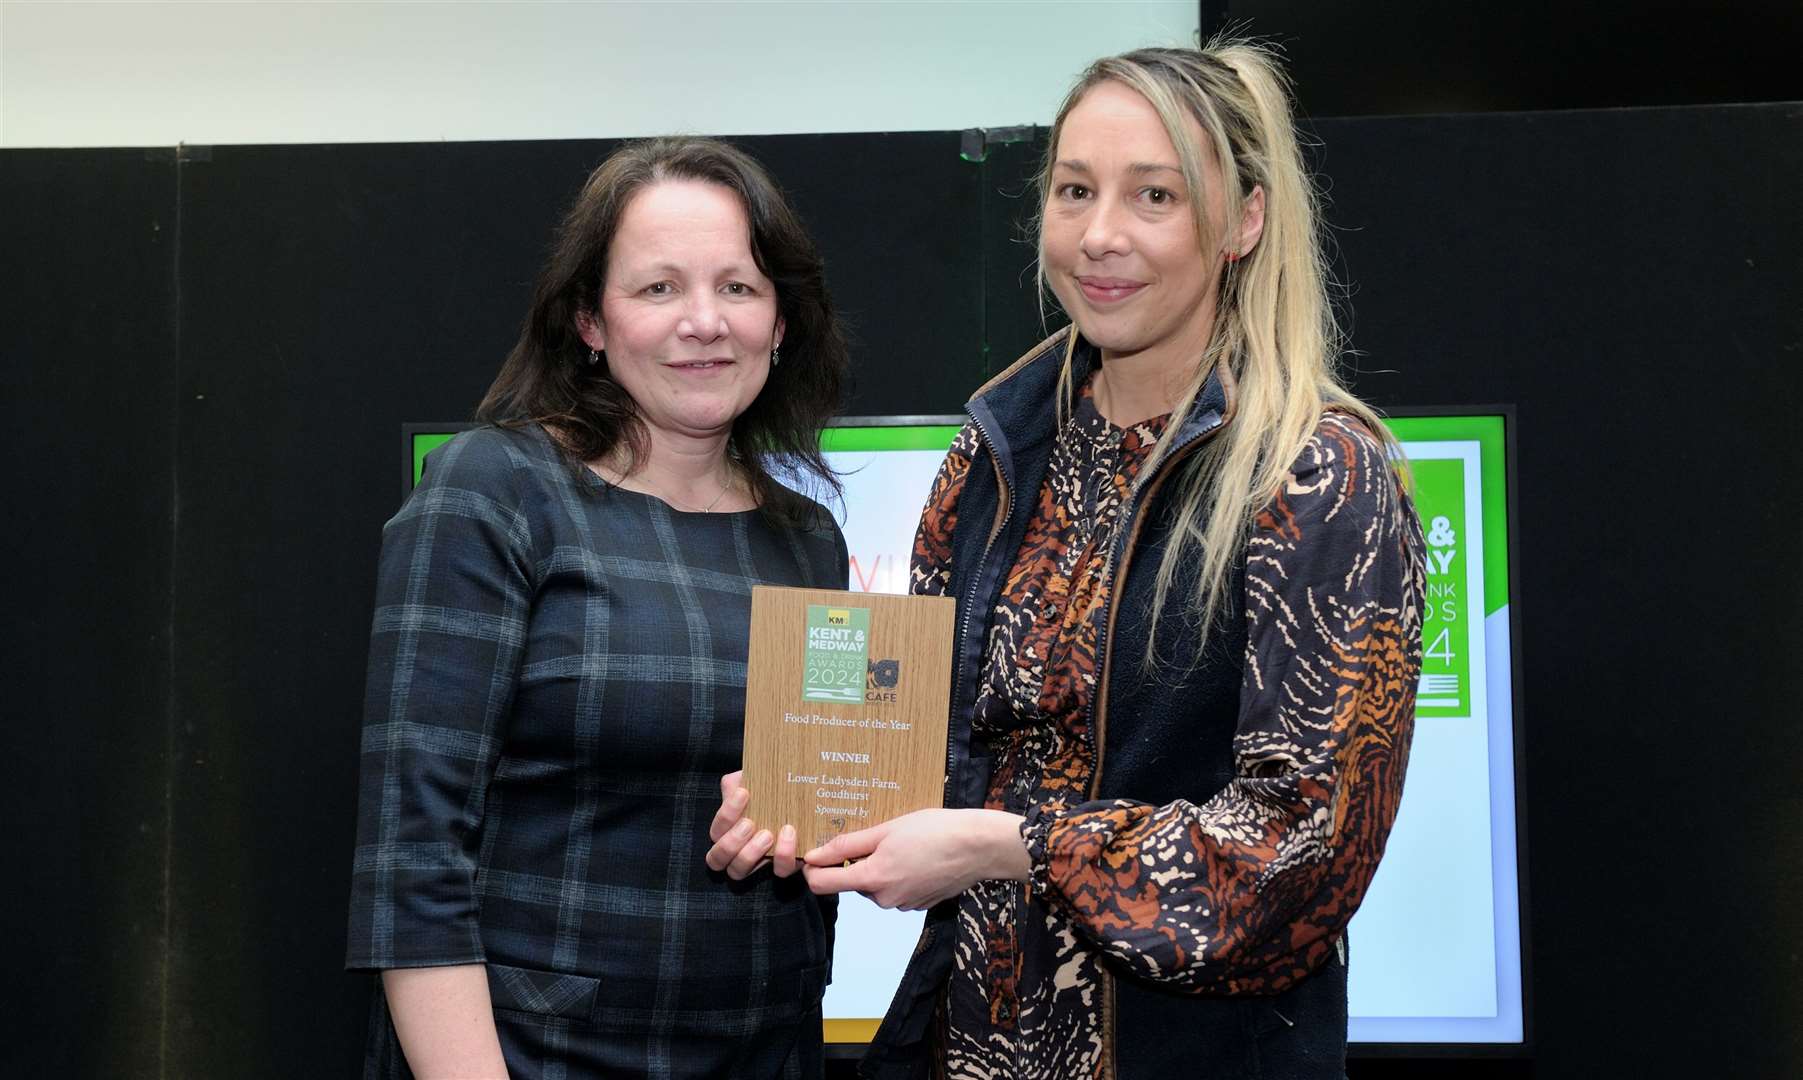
<point x="1138" y="168"/>
<point x="730" y="270"/>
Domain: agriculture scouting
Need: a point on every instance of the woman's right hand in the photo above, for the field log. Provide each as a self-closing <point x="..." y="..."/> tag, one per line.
<point x="739" y="845"/>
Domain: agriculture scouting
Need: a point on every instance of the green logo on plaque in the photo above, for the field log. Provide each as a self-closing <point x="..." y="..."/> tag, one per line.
<point x="838" y="654"/>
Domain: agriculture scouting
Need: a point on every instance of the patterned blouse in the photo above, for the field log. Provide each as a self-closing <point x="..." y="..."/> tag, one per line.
<point x="1025" y="994"/>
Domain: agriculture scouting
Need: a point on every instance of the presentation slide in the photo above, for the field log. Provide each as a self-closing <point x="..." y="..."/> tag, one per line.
<point x="1435" y="949"/>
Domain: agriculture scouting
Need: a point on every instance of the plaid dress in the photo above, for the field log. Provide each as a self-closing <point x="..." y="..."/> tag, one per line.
<point x="556" y="684"/>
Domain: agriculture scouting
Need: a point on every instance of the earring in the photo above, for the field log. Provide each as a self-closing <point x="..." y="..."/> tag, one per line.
<point x="1233" y="256"/>
<point x="595" y="357"/>
<point x="775" y="357"/>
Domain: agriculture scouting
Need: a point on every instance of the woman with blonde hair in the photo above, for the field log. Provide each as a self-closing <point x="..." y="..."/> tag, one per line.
<point x="1189" y="589"/>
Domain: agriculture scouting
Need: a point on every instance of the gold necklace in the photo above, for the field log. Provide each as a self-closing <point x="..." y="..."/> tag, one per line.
<point x="612" y="476"/>
<point x="709" y="508"/>
<point x="725" y="486"/>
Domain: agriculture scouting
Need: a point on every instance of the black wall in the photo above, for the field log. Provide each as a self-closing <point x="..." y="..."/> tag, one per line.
<point x="207" y="362"/>
<point x="1389" y="57"/>
<point x="88" y="345"/>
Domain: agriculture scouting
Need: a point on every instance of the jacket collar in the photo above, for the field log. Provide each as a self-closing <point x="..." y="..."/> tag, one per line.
<point x="1017" y="410"/>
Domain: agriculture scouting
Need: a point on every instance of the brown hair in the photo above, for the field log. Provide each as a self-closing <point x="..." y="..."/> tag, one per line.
<point x="548" y="380"/>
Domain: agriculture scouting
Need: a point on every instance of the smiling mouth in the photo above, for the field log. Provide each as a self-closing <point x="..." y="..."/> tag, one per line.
<point x="701" y="365"/>
<point x="1108" y="290"/>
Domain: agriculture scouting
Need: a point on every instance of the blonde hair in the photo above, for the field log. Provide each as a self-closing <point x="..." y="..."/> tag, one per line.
<point x="1274" y="336"/>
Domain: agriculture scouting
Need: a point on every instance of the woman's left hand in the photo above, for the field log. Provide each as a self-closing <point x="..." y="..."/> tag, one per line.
<point x="739" y="846"/>
<point x="919" y="859"/>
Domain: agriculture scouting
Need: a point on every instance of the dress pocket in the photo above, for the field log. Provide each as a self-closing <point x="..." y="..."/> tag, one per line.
<point x="544" y="993"/>
<point x="694" y="1003"/>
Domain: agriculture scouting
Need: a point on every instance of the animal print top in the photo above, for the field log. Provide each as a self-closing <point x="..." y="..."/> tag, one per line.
<point x="1247" y="892"/>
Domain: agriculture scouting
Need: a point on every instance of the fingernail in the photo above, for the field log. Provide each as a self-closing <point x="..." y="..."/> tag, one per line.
<point x="741" y="796"/>
<point x="788" y="834"/>
<point x="763" y="839"/>
<point x="810" y="854"/>
<point x="743" y="828"/>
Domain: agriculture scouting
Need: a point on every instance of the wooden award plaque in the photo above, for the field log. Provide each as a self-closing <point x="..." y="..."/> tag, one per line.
<point x="846" y="699"/>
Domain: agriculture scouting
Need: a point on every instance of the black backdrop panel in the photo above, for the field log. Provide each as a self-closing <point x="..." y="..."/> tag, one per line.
<point x="1013" y="319"/>
<point x="87" y="365"/>
<point x="1355" y="58"/>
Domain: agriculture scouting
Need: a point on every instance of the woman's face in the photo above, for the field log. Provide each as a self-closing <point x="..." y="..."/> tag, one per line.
<point x="1119" y="232"/>
<point x="686" y="318"/>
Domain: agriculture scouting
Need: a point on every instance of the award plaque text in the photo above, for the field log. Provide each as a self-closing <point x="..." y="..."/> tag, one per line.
<point x="846" y="699"/>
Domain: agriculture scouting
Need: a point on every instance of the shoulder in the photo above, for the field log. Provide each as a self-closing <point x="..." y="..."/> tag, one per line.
<point x="1342" y="452"/>
<point x="948" y="484"/>
<point x="483" y="451"/>
<point x="962" y="451"/>
<point x="929" y="565"/>
<point x="1344" y="483"/>
<point x="491" y="460"/>
<point x="506" y="480"/>
<point x="1343" y="464"/>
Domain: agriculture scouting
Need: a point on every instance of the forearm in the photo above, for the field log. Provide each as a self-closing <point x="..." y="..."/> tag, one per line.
<point x="445" y="1021"/>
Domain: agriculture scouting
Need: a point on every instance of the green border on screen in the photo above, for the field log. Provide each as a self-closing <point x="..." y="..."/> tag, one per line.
<point x="840" y="440"/>
<point x="1487" y="432"/>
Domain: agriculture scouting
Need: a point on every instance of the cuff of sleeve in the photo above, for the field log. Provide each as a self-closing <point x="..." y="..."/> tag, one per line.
<point x="422" y="917"/>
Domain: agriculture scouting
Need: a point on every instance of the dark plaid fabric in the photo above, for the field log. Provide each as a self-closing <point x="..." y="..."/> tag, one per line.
<point x="556" y="684"/>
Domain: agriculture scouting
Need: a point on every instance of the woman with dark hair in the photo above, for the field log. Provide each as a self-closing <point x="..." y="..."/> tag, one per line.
<point x="1189" y="587"/>
<point x="557" y="663"/>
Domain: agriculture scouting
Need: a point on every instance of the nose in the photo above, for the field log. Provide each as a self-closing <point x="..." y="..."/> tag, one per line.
<point x="703" y="321"/>
<point x="1103" y="234"/>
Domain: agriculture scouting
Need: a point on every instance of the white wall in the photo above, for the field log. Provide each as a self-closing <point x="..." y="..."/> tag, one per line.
<point x="158" y="73"/>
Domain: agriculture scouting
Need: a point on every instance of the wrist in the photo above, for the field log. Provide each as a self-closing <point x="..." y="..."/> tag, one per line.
<point x="1003" y="853"/>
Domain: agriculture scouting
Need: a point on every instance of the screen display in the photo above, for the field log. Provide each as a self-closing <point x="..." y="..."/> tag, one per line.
<point x="1436" y="946"/>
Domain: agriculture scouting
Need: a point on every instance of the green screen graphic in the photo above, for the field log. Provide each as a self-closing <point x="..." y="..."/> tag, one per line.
<point x="1485" y="433"/>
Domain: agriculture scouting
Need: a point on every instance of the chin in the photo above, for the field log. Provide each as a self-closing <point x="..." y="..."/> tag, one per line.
<point x="714" y="419"/>
<point x="1110" y="336"/>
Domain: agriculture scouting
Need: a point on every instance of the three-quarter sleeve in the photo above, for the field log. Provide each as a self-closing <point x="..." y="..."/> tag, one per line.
<point x="454" y="591"/>
<point x="1249" y="891"/>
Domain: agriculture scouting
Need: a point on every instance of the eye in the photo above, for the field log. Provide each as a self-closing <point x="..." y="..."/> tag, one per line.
<point x="736" y="288"/>
<point x="1158" y="196"/>
<point x="1072" y="192"/>
<point x="661" y="288"/>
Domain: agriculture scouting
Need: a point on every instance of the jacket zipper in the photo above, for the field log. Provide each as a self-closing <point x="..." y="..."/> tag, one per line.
<point x="995" y="529"/>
